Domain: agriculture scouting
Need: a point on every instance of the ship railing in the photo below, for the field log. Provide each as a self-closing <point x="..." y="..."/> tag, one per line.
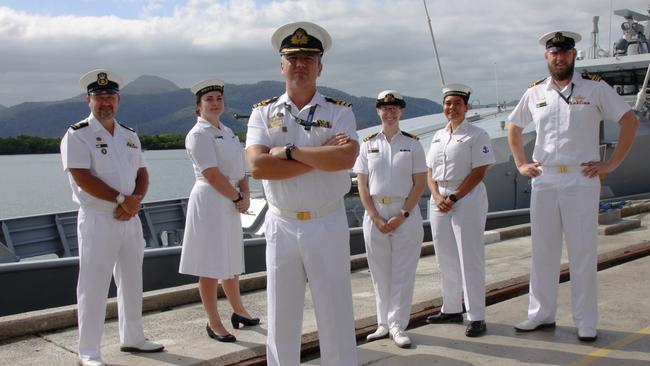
<point x="55" y="235"/>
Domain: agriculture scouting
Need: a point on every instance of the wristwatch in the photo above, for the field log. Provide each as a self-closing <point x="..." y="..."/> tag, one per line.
<point x="405" y="213"/>
<point x="241" y="197"/>
<point x="120" y="199"/>
<point x="453" y="198"/>
<point x="287" y="150"/>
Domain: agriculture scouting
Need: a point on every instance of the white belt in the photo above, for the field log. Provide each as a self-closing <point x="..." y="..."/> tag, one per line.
<point x="449" y="184"/>
<point x="100" y="206"/>
<point x="234" y="183"/>
<point x="387" y="200"/>
<point x="561" y="169"/>
<point x="305" y="215"/>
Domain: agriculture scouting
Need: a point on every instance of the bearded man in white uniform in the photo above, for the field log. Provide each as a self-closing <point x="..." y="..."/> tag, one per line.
<point x="302" y="144"/>
<point x="108" y="177"/>
<point x="566" y="109"/>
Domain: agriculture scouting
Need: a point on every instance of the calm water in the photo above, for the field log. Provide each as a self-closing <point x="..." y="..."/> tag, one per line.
<point x="36" y="184"/>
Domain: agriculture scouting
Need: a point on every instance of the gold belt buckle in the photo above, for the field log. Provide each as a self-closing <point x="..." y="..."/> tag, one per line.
<point x="563" y="169"/>
<point x="303" y="215"/>
<point x="386" y="200"/>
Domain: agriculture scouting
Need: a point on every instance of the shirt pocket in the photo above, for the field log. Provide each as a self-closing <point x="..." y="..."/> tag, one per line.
<point x="279" y="135"/>
<point x="103" y="158"/>
<point x="403" y="162"/>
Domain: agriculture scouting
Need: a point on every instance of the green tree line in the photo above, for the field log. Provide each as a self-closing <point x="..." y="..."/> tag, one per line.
<point x="50" y="145"/>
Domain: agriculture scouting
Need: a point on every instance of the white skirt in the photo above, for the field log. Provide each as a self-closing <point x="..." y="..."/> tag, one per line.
<point x="212" y="242"/>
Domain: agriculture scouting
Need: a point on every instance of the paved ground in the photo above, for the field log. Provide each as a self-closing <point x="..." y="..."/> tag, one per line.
<point x="182" y="329"/>
<point x="623" y="339"/>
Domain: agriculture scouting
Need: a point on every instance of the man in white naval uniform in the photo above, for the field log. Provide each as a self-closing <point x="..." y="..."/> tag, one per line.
<point x="391" y="174"/>
<point x="566" y="109"/>
<point x="108" y="178"/>
<point x="301" y="144"/>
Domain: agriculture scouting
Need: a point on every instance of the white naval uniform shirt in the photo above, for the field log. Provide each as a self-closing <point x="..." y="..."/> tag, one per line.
<point x="567" y="134"/>
<point x="208" y="147"/>
<point x="115" y="159"/>
<point x="452" y="156"/>
<point x="273" y="125"/>
<point x="390" y="165"/>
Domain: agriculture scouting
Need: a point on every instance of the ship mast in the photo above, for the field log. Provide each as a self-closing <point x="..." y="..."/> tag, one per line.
<point x="433" y="40"/>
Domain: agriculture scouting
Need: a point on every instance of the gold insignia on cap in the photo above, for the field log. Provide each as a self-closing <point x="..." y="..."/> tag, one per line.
<point x="102" y="78"/>
<point x="299" y="37"/>
<point x="389" y="98"/>
<point x="559" y="37"/>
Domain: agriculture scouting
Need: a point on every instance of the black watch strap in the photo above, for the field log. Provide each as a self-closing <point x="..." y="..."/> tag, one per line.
<point x="287" y="150"/>
<point x="453" y="198"/>
<point x="241" y="197"/>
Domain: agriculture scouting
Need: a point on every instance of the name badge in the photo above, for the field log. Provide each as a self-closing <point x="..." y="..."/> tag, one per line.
<point x="373" y="150"/>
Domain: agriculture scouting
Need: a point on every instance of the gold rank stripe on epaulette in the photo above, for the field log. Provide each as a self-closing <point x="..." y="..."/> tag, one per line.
<point x="79" y="125"/>
<point x="369" y="137"/>
<point x="410" y="135"/>
<point x="265" y="102"/>
<point x="536" y="83"/>
<point x="338" y="102"/>
<point x="127" y="127"/>
<point x="589" y="76"/>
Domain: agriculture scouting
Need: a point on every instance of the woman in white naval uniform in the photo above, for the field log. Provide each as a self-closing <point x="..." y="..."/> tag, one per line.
<point x="391" y="173"/>
<point x="212" y="242"/>
<point x="459" y="155"/>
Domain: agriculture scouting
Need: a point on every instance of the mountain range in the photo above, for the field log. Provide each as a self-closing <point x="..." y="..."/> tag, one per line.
<point x="153" y="105"/>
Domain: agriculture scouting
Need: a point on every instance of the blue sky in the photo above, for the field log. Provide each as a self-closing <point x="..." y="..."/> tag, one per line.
<point x="45" y="46"/>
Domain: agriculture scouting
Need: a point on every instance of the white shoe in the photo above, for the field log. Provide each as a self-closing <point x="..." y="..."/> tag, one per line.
<point x="381" y="332"/>
<point x="587" y="334"/>
<point x="399" y="337"/>
<point x="530" y="325"/>
<point x="144" y="346"/>
<point x="90" y="361"/>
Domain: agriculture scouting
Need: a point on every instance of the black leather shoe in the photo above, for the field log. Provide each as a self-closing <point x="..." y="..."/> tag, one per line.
<point x="236" y="319"/>
<point x="475" y="328"/>
<point x="445" y="318"/>
<point x="220" y="338"/>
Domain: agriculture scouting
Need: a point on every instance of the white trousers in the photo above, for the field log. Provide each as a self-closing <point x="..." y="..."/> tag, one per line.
<point x="393" y="259"/>
<point x="458" y="239"/>
<point x="108" y="246"/>
<point x="319" y="251"/>
<point x="574" y="212"/>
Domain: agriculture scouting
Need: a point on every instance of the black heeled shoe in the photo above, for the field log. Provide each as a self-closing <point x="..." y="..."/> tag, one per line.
<point x="221" y="338"/>
<point x="236" y="319"/>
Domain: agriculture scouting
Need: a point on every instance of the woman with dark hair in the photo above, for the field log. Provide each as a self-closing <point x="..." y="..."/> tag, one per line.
<point x="391" y="173"/>
<point x="459" y="155"/>
<point x="212" y="241"/>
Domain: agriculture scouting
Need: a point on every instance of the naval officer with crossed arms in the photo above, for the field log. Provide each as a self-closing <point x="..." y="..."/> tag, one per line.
<point x="108" y="177"/>
<point x="302" y="144"/>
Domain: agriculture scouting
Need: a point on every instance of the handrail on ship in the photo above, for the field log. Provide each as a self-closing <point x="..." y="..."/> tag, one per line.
<point x="55" y="234"/>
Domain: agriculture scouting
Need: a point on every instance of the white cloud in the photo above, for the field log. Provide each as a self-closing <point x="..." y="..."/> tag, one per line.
<point x="378" y="44"/>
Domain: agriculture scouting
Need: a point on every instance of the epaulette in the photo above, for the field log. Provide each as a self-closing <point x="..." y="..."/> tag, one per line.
<point x="589" y="76"/>
<point x="79" y="125"/>
<point x="369" y="137"/>
<point x="265" y="102"/>
<point x="127" y="127"/>
<point x="536" y="83"/>
<point x="338" y="102"/>
<point x="410" y="135"/>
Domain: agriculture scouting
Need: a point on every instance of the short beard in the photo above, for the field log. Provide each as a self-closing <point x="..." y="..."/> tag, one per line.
<point x="561" y="75"/>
